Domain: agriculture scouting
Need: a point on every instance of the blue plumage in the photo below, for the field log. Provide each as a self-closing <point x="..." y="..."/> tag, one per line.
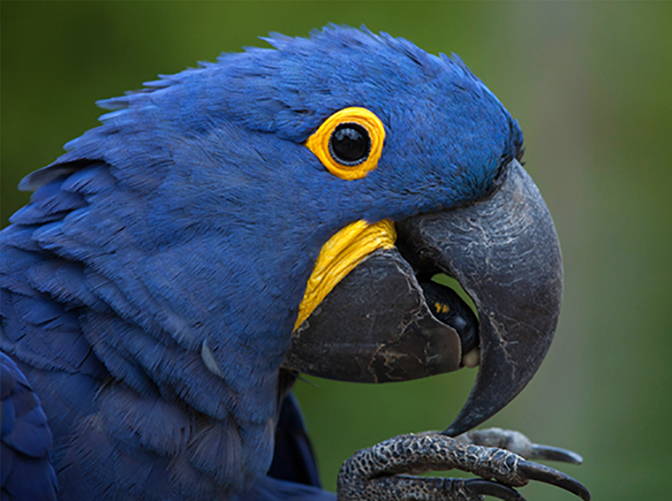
<point x="25" y="440"/>
<point x="188" y="223"/>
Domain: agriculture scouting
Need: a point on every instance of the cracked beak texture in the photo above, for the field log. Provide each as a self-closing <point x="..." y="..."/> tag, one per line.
<point x="375" y="325"/>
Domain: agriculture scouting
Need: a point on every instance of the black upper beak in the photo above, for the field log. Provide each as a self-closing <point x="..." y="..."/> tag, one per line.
<point x="376" y="326"/>
<point x="504" y="252"/>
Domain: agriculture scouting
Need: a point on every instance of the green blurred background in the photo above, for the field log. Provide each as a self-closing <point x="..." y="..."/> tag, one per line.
<point x="591" y="85"/>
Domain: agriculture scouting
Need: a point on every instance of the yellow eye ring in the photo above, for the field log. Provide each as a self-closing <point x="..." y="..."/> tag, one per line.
<point x="349" y="143"/>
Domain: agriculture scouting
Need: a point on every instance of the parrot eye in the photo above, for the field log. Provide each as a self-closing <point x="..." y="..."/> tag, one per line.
<point x="349" y="143"/>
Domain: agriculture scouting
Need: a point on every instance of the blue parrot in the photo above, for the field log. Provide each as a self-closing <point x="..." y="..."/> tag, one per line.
<point x="280" y="211"/>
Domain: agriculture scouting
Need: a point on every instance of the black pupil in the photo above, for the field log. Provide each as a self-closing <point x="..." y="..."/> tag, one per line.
<point x="349" y="144"/>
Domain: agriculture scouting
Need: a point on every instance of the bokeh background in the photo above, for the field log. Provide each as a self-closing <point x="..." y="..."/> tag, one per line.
<point x="591" y="85"/>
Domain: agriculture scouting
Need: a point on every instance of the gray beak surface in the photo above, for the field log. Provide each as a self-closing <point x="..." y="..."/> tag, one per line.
<point x="376" y="325"/>
<point x="505" y="254"/>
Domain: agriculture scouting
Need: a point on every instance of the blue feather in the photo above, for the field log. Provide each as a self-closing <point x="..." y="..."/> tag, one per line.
<point x="293" y="458"/>
<point x="25" y="440"/>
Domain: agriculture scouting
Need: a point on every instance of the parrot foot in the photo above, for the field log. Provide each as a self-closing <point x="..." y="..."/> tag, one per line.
<point x="380" y="472"/>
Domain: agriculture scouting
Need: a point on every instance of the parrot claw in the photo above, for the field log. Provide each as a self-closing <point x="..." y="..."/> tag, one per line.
<point x="381" y="472"/>
<point x="555" y="454"/>
<point x="542" y="473"/>
<point x="519" y="444"/>
<point x="477" y="488"/>
<point x="515" y="441"/>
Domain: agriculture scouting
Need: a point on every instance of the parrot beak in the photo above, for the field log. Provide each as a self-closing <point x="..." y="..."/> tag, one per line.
<point x="504" y="252"/>
<point x="376" y="325"/>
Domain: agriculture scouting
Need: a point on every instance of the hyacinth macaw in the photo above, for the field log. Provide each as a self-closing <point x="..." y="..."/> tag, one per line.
<point x="279" y="211"/>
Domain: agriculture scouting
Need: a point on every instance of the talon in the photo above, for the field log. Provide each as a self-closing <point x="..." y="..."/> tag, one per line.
<point x="542" y="473"/>
<point x="554" y="454"/>
<point x="515" y="441"/>
<point x="479" y="487"/>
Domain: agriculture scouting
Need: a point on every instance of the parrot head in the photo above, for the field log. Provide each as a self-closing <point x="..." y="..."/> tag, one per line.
<point x="434" y="157"/>
<point x="288" y="208"/>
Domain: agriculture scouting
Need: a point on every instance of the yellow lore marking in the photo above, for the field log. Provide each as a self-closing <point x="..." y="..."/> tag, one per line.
<point x="345" y="250"/>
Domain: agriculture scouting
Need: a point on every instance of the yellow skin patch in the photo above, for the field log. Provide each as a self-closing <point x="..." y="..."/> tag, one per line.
<point x="441" y="308"/>
<point x="343" y="252"/>
<point x="318" y="143"/>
